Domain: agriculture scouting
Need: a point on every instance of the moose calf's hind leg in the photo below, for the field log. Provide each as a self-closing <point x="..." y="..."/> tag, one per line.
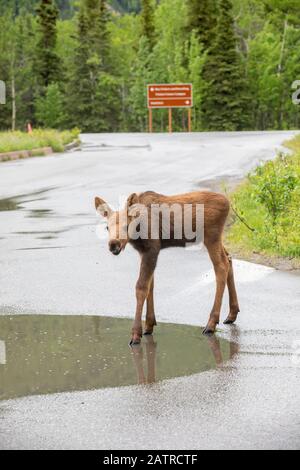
<point x="221" y="266"/>
<point x="234" y="303"/>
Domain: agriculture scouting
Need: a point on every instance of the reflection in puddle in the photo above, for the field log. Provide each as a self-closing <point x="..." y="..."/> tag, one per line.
<point x="50" y="354"/>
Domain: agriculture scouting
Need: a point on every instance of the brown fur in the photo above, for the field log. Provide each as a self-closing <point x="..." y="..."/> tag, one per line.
<point x="216" y="210"/>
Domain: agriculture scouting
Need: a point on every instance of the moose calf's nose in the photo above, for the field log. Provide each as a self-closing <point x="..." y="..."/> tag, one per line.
<point x="115" y="247"/>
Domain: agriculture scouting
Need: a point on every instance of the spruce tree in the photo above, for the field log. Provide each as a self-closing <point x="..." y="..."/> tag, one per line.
<point x="50" y="109"/>
<point x="225" y="96"/>
<point x="105" y="35"/>
<point x="147" y="18"/>
<point x="93" y="100"/>
<point x="202" y="18"/>
<point x="80" y="91"/>
<point x="47" y="66"/>
<point x="97" y="17"/>
<point x="141" y="76"/>
<point x="24" y="63"/>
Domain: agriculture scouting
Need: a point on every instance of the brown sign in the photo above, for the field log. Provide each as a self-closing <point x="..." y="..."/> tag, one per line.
<point x="170" y="96"/>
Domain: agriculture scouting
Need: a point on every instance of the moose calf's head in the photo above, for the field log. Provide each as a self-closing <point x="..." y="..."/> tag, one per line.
<point x="117" y="223"/>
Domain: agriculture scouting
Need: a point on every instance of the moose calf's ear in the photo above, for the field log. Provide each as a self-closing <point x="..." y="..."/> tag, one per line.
<point x="133" y="199"/>
<point x="102" y="207"/>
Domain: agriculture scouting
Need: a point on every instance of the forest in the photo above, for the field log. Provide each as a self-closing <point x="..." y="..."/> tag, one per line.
<point x="67" y="8"/>
<point x="86" y="63"/>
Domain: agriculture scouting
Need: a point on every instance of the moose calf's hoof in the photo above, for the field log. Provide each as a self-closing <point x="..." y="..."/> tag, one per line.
<point x="208" y="332"/>
<point x="136" y="339"/>
<point x="148" y="333"/>
<point x="135" y="342"/>
<point x="229" y="322"/>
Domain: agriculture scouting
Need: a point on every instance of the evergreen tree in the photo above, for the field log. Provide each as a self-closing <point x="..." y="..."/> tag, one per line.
<point x="224" y="101"/>
<point x="109" y="103"/>
<point x="48" y="66"/>
<point x="147" y="18"/>
<point x="196" y="62"/>
<point x="7" y="67"/>
<point x="94" y="92"/>
<point x="202" y="18"/>
<point x="97" y="17"/>
<point x="105" y="40"/>
<point x="49" y="109"/>
<point x="80" y="91"/>
<point x="137" y="97"/>
<point x="25" y="29"/>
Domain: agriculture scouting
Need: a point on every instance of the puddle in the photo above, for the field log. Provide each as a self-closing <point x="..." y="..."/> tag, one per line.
<point x="47" y="234"/>
<point x="96" y="147"/>
<point x="9" y="205"/>
<point x="38" y="248"/>
<point x="39" y="213"/>
<point x="42" y="354"/>
<point x="15" y="203"/>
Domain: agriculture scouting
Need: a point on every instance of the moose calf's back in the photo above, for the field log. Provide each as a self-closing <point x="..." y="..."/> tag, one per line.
<point x="216" y="207"/>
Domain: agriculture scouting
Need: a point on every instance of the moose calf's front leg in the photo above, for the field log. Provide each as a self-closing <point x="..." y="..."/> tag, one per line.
<point x="137" y="330"/>
<point x="150" y="316"/>
<point x="143" y="287"/>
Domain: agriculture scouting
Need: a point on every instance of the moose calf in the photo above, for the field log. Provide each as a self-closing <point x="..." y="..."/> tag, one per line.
<point x="123" y="226"/>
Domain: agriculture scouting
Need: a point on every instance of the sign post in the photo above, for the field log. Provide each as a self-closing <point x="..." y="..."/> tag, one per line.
<point x="150" y="121"/>
<point x="170" y="120"/>
<point x="190" y="119"/>
<point x="170" y="96"/>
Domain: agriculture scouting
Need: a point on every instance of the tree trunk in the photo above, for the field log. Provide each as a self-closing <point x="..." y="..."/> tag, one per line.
<point x="280" y="65"/>
<point x="280" y="70"/>
<point x="14" y="109"/>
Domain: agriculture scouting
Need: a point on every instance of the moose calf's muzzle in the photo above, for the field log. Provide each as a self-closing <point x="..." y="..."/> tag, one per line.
<point x="115" y="247"/>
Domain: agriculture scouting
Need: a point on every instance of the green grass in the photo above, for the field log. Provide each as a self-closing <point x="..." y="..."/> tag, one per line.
<point x="294" y="144"/>
<point x="14" y="141"/>
<point x="269" y="202"/>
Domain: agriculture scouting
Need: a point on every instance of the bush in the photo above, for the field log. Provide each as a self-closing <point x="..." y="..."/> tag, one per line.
<point x="269" y="201"/>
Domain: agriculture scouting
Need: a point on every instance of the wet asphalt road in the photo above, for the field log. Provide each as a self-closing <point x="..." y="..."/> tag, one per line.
<point x="53" y="262"/>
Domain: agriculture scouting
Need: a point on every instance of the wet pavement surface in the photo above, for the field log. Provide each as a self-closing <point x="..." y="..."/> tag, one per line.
<point x="58" y="282"/>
